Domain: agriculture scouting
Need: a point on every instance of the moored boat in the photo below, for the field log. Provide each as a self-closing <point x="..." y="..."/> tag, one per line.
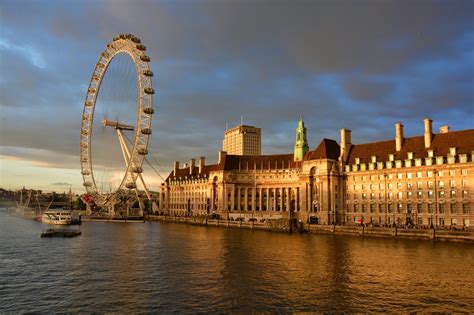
<point x="59" y="217"/>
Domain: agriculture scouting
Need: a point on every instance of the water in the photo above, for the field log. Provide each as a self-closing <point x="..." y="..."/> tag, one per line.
<point x="156" y="267"/>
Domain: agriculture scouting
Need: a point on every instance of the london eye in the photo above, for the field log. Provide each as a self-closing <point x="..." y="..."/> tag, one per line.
<point x="116" y="126"/>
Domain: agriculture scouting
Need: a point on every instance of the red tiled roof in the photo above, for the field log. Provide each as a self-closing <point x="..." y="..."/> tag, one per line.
<point x="463" y="141"/>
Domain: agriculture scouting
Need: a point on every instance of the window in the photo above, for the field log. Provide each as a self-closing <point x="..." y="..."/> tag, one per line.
<point x="381" y="208"/>
<point x="363" y="208"/>
<point x="430" y="208"/>
<point x="399" y="175"/>
<point x="364" y="178"/>
<point x="440" y="173"/>
<point x="452" y="183"/>
<point x="464" y="194"/>
<point x="464" y="183"/>
<point x="453" y="194"/>
<point x="440" y="184"/>
<point x="430" y="185"/>
<point x="372" y="208"/>
<point x="419" y="185"/>
<point x="380" y="186"/>
<point x="430" y="194"/>
<point x="390" y="176"/>
<point x="452" y="172"/>
<point x="409" y="193"/>
<point x="418" y="174"/>
<point x="409" y="185"/>
<point x="465" y="208"/>
<point x="441" y="208"/>
<point x="364" y="196"/>
<point x="400" y="195"/>
<point x="371" y="186"/>
<point x="409" y="208"/>
<point x="464" y="172"/>
<point x="390" y="195"/>
<point x="390" y="186"/>
<point x="430" y="174"/>
<point x="409" y="175"/>
<point x="356" y="208"/>
<point x="452" y="208"/>
<point x="400" y="208"/>
<point x="420" y="194"/>
<point x="381" y="177"/>
<point x="441" y="194"/>
<point x="399" y="185"/>
<point x="390" y="208"/>
<point x="372" y="196"/>
<point x="419" y="208"/>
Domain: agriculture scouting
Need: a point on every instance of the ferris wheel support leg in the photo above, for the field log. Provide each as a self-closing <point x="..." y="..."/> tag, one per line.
<point x="126" y="155"/>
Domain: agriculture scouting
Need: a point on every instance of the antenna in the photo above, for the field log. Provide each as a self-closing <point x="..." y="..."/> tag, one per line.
<point x="226" y="127"/>
<point x="241" y="120"/>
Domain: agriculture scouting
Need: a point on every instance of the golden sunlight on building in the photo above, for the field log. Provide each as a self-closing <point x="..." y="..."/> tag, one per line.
<point x="423" y="180"/>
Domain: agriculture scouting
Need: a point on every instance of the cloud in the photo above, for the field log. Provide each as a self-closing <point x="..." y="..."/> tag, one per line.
<point x="361" y="66"/>
<point x="61" y="184"/>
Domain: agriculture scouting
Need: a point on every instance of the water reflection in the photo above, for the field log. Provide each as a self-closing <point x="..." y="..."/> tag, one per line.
<point x="155" y="267"/>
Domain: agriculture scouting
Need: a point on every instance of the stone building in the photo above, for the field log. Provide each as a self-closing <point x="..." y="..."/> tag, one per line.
<point x="425" y="180"/>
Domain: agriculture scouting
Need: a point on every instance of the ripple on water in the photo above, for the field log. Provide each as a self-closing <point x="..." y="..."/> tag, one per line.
<point x="157" y="267"/>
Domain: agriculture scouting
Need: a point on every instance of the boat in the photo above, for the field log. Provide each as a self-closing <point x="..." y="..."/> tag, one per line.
<point x="59" y="217"/>
<point x="61" y="233"/>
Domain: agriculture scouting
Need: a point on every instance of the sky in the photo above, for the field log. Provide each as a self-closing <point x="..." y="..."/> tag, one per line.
<point x="357" y="64"/>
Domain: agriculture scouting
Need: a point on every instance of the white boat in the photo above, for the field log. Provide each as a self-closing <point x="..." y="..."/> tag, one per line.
<point x="59" y="216"/>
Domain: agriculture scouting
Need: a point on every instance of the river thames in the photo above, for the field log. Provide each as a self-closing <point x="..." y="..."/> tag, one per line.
<point x="156" y="267"/>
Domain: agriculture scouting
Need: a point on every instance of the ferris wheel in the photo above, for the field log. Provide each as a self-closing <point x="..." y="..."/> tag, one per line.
<point x="116" y="122"/>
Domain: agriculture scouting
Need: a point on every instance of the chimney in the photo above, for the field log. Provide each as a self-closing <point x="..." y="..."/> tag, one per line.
<point x="345" y="143"/>
<point x="444" y="129"/>
<point x="398" y="136"/>
<point x="221" y="157"/>
<point x="428" y="132"/>
<point x="191" y="166"/>
<point x="176" y="168"/>
<point x="201" y="164"/>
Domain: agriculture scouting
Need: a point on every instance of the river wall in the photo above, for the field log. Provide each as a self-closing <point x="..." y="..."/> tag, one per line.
<point x="283" y="225"/>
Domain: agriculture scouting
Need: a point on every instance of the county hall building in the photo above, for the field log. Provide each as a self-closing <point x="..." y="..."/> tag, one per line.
<point x="424" y="180"/>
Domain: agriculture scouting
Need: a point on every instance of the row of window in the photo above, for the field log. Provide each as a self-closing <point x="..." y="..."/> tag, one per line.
<point x="408" y="194"/>
<point x="410" y="208"/>
<point x="409" y="175"/>
<point x="399" y="185"/>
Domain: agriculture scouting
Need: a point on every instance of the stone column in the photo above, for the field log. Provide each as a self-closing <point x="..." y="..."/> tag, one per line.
<point x="232" y="199"/>
<point x="268" y="199"/>
<point x="282" y="198"/>
<point x="260" y="199"/>
<point x="254" y="198"/>
<point x="288" y="199"/>
<point x="238" y="198"/>
<point x="246" y="199"/>
<point x="275" y="199"/>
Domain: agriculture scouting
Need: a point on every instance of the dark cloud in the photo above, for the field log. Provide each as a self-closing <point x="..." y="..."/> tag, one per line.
<point x="361" y="65"/>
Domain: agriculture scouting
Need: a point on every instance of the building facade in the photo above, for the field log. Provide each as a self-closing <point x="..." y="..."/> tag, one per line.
<point x="425" y="181"/>
<point x="242" y="140"/>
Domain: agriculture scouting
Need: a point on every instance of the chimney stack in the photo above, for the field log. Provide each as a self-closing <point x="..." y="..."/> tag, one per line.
<point x="201" y="164"/>
<point x="444" y="129"/>
<point x="345" y="143"/>
<point x="191" y="166"/>
<point x="428" y="132"/>
<point x="176" y="168"/>
<point x="398" y="136"/>
<point x="221" y="157"/>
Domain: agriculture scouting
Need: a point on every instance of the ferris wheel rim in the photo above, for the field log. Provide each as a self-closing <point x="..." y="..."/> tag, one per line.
<point x="130" y="45"/>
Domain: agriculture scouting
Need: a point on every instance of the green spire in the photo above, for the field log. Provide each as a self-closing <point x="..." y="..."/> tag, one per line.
<point x="301" y="144"/>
